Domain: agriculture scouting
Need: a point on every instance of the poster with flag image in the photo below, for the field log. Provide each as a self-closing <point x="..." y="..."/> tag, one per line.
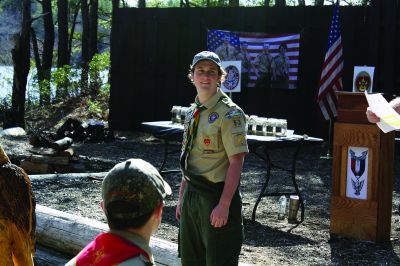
<point x="268" y="60"/>
<point x="332" y="68"/>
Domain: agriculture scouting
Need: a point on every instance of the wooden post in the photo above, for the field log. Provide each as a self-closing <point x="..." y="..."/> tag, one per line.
<point x="362" y="184"/>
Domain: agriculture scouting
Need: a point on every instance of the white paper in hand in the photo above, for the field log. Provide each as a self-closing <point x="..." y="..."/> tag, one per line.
<point x="390" y="119"/>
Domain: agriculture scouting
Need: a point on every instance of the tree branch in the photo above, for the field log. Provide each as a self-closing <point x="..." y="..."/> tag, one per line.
<point x="40" y="16"/>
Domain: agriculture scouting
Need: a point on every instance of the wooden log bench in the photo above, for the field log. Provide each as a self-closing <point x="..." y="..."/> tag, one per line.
<point x="68" y="233"/>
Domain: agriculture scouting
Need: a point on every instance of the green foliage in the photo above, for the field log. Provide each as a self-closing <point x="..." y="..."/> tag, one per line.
<point x="99" y="64"/>
<point x="5" y="103"/>
<point x="66" y="80"/>
<point x="94" y="108"/>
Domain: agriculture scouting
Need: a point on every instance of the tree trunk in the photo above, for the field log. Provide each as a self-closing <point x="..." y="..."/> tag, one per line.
<point x="73" y="23"/>
<point x="318" y="2"/>
<point x="62" y="17"/>
<point x="85" y="47"/>
<point x="93" y="23"/>
<point x="115" y="5"/>
<point x="267" y="2"/>
<point x="302" y="2"/>
<point x="21" y="62"/>
<point x="48" y="47"/>
<point x="142" y="4"/>
<point x="63" y="57"/>
<point x="38" y="63"/>
<point x="280" y="2"/>
<point x="93" y="16"/>
<point x="233" y="3"/>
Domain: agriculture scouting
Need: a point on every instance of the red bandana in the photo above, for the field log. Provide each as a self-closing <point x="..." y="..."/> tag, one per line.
<point x="108" y="249"/>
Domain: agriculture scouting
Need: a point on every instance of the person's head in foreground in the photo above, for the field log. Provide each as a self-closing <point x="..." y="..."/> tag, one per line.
<point x="132" y="199"/>
<point x="132" y="195"/>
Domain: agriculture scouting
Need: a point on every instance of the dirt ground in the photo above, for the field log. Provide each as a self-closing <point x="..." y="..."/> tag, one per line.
<point x="268" y="241"/>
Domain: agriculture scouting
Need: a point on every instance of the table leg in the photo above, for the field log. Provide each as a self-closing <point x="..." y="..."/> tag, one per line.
<point x="166" y="153"/>
<point x="269" y="165"/>
<point x="267" y="177"/>
<point x="294" y="161"/>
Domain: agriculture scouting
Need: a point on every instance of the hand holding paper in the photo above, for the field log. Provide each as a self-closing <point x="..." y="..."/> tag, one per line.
<point x="390" y="119"/>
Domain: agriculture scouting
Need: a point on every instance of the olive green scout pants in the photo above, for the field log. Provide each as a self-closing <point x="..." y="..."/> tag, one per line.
<point x="202" y="244"/>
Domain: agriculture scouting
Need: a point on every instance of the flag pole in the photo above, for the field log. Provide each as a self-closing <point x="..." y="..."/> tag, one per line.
<point x="328" y="155"/>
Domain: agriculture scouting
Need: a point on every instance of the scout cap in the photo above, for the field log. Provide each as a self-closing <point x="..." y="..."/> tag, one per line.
<point x="135" y="183"/>
<point x="206" y="55"/>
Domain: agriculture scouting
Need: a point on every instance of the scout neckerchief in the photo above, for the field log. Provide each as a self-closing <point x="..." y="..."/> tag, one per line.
<point x="191" y="133"/>
<point x="109" y="249"/>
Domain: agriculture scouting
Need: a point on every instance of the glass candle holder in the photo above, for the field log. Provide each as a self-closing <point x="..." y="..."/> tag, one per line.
<point x="252" y="125"/>
<point x="178" y="115"/>
<point x="184" y="111"/>
<point x="174" y="111"/>
<point x="282" y="128"/>
<point x="272" y="126"/>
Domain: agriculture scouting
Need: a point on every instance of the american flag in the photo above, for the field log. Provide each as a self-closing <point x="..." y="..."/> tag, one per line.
<point x="331" y="76"/>
<point x="255" y="42"/>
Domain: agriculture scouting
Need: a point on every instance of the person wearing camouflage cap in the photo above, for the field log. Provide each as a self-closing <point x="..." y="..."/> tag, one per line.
<point x="132" y="200"/>
<point x="214" y="144"/>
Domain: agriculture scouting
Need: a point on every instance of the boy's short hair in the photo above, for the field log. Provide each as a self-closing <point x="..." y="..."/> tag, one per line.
<point x="131" y="191"/>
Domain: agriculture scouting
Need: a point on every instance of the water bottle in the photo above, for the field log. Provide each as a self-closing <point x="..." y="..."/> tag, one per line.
<point x="282" y="207"/>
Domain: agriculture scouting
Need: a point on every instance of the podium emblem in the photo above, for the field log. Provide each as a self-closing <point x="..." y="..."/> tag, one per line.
<point x="357" y="173"/>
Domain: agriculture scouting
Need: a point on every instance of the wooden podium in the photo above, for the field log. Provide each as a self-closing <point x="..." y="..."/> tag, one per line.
<point x="362" y="173"/>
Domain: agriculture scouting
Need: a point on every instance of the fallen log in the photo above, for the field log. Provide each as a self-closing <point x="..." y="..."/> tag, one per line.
<point x="70" y="176"/>
<point x="62" y="144"/>
<point x="68" y="233"/>
<point x="61" y="160"/>
<point x="46" y="256"/>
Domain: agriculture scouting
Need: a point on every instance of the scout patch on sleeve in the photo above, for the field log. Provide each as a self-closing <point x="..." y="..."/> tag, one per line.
<point x="237" y="122"/>
<point x="212" y="117"/>
<point x="240" y="140"/>
<point x="234" y="113"/>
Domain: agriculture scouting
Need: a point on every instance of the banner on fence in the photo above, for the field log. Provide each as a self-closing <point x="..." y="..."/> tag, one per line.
<point x="268" y="60"/>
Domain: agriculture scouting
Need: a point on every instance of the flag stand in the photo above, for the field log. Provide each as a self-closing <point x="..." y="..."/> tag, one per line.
<point x="328" y="155"/>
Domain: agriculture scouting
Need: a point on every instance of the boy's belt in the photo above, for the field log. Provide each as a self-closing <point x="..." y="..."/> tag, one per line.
<point x="201" y="185"/>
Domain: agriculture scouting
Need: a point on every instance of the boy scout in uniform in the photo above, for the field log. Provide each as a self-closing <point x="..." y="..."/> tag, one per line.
<point x="132" y="193"/>
<point x="214" y="145"/>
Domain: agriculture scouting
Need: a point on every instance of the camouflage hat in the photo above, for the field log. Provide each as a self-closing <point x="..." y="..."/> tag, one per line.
<point x="206" y="55"/>
<point x="136" y="183"/>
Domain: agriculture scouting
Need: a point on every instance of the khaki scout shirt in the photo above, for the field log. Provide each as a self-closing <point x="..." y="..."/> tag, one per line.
<point x="221" y="133"/>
